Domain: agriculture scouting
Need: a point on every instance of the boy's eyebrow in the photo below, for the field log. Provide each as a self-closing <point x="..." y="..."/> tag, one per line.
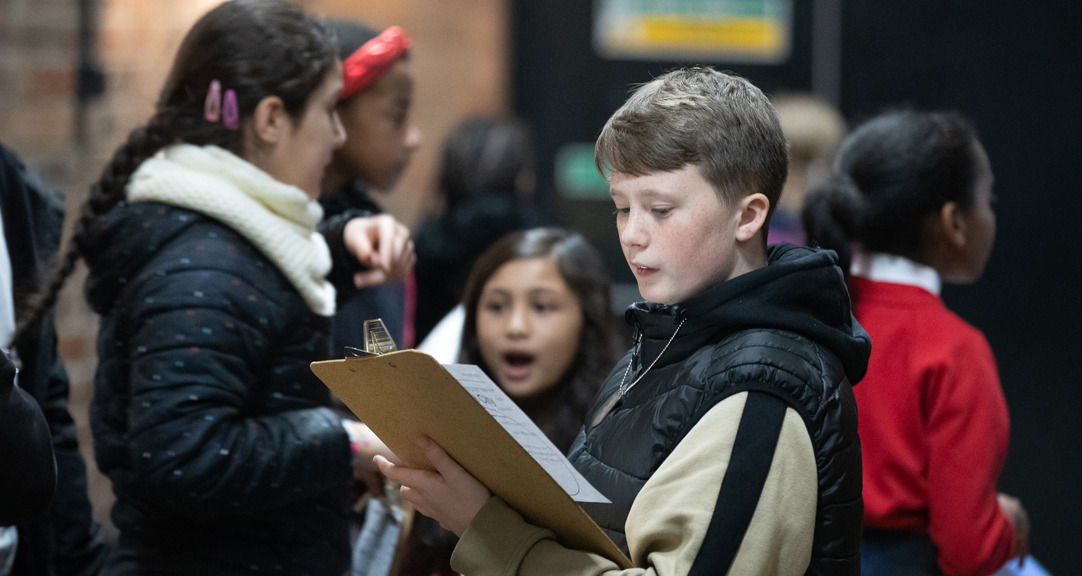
<point x="650" y="193"/>
<point x="647" y="194"/>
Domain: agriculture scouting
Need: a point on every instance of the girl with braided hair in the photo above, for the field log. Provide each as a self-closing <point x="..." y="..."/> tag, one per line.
<point x="215" y="280"/>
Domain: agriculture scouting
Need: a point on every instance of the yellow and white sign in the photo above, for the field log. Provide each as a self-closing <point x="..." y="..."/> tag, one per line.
<point x="757" y="31"/>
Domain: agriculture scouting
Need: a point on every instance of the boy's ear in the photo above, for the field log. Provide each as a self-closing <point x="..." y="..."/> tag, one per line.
<point x="753" y="209"/>
<point x="953" y="224"/>
<point x="270" y="120"/>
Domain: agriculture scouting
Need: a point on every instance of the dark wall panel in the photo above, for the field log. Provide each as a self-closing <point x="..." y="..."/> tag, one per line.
<point x="568" y="93"/>
<point x="1014" y="70"/>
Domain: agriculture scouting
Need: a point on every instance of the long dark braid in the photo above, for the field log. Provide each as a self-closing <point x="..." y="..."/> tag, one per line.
<point x="257" y="48"/>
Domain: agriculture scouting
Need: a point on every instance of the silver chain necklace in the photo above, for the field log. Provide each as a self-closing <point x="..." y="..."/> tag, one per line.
<point x="611" y="402"/>
<point x="660" y="354"/>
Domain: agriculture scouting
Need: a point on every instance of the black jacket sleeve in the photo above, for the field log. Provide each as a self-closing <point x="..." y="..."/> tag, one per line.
<point x="343" y="264"/>
<point x="66" y="539"/>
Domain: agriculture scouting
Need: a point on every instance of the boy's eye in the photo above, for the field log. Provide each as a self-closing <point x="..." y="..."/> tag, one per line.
<point x="619" y="211"/>
<point x="661" y="211"/>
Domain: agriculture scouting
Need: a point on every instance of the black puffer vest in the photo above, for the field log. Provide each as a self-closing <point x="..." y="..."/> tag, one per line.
<point x="785" y="330"/>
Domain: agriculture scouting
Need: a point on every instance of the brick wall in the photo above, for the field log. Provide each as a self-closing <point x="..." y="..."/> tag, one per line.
<point x="459" y="59"/>
<point x="37" y="49"/>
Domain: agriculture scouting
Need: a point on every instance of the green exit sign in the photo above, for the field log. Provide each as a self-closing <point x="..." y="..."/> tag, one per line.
<point x="576" y="175"/>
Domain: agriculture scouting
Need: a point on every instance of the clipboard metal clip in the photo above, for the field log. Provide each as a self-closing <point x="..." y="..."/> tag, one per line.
<point x="377" y="340"/>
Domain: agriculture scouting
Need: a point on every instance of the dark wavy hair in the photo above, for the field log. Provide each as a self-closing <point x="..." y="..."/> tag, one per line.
<point x="891" y="173"/>
<point x="350" y="35"/>
<point x="581" y="267"/>
<point x="257" y="48"/>
<point x="485" y="155"/>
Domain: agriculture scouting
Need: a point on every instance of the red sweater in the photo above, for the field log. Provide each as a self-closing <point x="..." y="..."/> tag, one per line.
<point x="933" y="427"/>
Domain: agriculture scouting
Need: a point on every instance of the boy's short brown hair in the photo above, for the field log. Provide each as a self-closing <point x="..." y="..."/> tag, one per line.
<point x="719" y="122"/>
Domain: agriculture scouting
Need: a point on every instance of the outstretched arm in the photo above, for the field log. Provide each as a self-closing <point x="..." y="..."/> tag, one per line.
<point x="366" y="250"/>
<point x="383" y="245"/>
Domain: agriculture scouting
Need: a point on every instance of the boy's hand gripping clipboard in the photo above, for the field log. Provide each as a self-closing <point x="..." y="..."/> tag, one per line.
<point x="406" y="395"/>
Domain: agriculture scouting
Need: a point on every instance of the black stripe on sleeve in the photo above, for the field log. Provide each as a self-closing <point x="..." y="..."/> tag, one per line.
<point x="753" y="452"/>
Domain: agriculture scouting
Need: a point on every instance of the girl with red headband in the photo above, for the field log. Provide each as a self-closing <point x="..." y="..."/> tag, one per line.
<point x="374" y="105"/>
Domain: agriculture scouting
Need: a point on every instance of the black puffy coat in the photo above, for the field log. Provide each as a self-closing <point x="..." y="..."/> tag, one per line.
<point x="786" y="330"/>
<point x="206" y="416"/>
<point x="66" y="539"/>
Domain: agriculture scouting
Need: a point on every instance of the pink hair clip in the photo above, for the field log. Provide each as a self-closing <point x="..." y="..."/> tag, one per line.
<point x="230" y="115"/>
<point x="212" y="108"/>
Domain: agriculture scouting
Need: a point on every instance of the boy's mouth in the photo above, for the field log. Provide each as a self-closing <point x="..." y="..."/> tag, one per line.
<point x="642" y="271"/>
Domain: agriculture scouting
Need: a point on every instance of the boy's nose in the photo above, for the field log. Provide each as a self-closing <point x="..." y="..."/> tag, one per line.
<point x="632" y="232"/>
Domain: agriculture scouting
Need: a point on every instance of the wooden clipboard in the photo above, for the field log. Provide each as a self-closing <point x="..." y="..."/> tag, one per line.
<point x="406" y="395"/>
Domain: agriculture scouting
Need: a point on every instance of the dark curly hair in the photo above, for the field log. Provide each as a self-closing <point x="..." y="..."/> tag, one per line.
<point x="257" y="48"/>
<point x="890" y="174"/>
<point x="485" y="155"/>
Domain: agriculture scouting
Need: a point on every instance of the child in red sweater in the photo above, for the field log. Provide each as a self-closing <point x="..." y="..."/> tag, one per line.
<point x="911" y="207"/>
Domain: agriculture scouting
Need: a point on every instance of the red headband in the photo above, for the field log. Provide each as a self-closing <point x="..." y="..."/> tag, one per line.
<point x="371" y="60"/>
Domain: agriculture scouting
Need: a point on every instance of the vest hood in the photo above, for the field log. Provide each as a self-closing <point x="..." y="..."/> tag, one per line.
<point x="800" y="290"/>
<point x="122" y="241"/>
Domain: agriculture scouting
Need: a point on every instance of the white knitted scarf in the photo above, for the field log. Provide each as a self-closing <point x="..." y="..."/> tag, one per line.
<point x="279" y="219"/>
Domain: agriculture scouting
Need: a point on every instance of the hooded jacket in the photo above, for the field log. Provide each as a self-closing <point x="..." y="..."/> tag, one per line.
<point x="737" y="451"/>
<point x="786" y="331"/>
<point x="206" y="416"/>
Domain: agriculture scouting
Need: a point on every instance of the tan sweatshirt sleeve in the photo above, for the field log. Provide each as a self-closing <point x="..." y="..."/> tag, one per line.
<point x="669" y="519"/>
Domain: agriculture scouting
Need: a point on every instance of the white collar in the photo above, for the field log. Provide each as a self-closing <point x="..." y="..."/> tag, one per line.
<point x="896" y="270"/>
